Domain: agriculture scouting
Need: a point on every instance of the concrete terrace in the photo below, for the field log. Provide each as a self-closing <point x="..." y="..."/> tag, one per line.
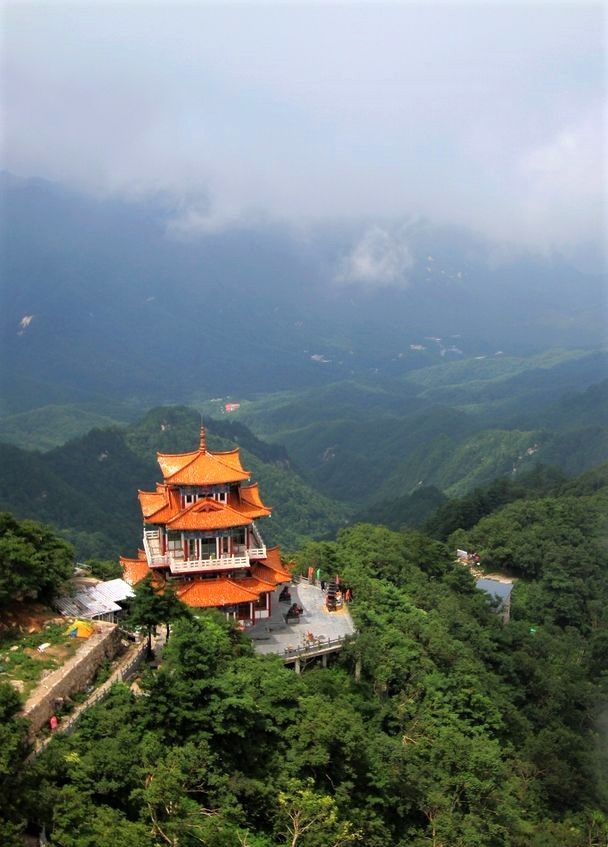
<point x="273" y="635"/>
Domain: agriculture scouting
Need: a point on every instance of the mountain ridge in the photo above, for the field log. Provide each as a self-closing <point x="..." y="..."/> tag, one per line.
<point x="87" y="488"/>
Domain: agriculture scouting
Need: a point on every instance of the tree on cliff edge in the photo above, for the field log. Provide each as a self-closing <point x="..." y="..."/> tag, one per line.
<point x="154" y="605"/>
<point x="34" y="561"/>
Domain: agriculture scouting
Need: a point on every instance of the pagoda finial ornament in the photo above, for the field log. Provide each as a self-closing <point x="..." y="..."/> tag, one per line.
<point x="203" y="443"/>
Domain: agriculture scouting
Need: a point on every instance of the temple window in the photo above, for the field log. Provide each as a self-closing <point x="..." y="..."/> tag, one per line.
<point x="174" y="541"/>
<point x="208" y="548"/>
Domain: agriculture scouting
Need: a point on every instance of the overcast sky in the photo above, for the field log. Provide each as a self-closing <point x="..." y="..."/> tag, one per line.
<point x="490" y="115"/>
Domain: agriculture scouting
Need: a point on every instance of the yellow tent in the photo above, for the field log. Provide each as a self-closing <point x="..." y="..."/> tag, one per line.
<point x="80" y="629"/>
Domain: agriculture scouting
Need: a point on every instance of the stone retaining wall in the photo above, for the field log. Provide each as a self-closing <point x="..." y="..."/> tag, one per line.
<point x="74" y="676"/>
<point x="127" y="666"/>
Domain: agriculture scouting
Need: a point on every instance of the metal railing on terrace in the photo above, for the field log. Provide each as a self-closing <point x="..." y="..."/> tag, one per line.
<point x="315" y="647"/>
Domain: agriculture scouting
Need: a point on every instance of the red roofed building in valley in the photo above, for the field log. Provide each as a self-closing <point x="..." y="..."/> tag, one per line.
<point x="200" y="533"/>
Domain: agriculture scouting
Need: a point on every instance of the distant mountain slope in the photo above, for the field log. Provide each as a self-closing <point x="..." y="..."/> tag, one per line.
<point x="455" y="466"/>
<point x="464" y="512"/>
<point x="409" y="510"/>
<point x="50" y="426"/>
<point x="365" y="439"/>
<point x="572" y="410"/>
<point x="363" y="444"/>
<point x="503" y="387"/>
<point x="88" y="488"/>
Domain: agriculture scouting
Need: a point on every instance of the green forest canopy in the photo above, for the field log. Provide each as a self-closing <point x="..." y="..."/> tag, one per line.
<point x="34" y="561"/>
<point x="462" y="732"/>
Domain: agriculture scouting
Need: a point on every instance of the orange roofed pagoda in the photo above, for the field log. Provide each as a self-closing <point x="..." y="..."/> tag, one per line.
<point x="199" y="533"/>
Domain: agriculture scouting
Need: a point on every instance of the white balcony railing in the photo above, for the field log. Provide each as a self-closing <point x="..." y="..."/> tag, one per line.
<point x="224" y="563"/>
<point x="176" y="562"/>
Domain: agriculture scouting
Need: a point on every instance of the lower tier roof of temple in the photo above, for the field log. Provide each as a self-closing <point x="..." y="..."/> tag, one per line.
<point x="217" y="591"/>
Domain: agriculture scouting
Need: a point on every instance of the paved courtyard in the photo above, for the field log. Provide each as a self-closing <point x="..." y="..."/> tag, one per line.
<point x="273" y="635"/>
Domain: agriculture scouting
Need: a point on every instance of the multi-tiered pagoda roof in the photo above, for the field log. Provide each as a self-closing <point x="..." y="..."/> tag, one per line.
<point x="200" y="533"/>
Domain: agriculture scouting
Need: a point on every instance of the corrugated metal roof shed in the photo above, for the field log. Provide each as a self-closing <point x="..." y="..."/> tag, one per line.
<point x="96" y="600"/>
<point x="114" y="589"/>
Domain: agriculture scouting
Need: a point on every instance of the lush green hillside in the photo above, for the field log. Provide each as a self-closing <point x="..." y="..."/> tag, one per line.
<point x="51" y="426"/>
<point x="410" y="510"/>
<point x="465" y="512"/>
<point x="461" y="731"/>
<point x="365" y="398"/>
<point x="473" y="375"/>
<point x="477" y="384"/>
<point x="578" y="409"/>
<point x="454" y="426"/>
<point x="34" y="563"/>
<point x="455" y="467"/>
<point x="88" y="487"/>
